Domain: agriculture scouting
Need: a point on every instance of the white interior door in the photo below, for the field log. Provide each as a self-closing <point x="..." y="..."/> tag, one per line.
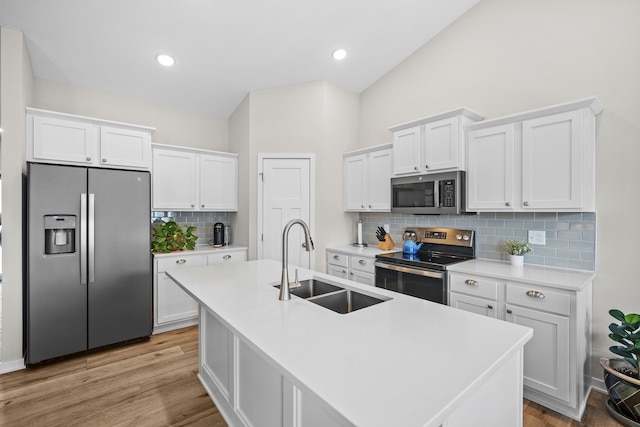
<point x="285" y="189"/>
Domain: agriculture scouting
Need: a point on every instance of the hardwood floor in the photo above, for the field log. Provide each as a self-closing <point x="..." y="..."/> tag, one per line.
<point x="154" y="383"/>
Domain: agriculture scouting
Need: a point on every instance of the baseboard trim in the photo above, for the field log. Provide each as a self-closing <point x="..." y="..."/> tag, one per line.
<point x="11" y="366"/>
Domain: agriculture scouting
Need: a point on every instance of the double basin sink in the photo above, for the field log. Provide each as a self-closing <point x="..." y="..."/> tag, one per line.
<point x="335" y="298"/>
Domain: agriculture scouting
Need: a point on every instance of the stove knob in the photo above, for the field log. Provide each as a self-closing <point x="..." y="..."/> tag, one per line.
<point x="465" y="237"/>
<point x="459" y="237"/>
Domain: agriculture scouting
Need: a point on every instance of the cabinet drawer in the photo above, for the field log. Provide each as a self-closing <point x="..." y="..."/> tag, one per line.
<point x="337" y="259"/>
<point x="538" y="298"/>
<point x="227" y="256"/>
<point x="180" y="262"/>
<point x="473" y="285"/>
<point x="362" y="264"/>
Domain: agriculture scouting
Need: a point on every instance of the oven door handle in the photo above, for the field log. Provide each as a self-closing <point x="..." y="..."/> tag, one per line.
<point x="401" y="269"/>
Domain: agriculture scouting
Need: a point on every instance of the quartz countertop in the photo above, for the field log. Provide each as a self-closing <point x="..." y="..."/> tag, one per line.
<point x="405" y="361"/>
<point x="202" y="249"/>
<point x="368" y="251"/>
<point x="561" y="278"/>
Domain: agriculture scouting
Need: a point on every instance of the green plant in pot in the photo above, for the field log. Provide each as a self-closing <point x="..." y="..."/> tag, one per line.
<point x="622" y="376"/>
<point x="171" y="236"/>
<point x="516" y="250"/>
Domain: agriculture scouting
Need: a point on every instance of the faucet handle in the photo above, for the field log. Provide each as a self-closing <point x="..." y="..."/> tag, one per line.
<point x="296" y="283"/>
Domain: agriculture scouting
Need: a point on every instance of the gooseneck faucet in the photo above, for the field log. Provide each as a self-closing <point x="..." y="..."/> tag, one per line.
<point x="285" y="295"/>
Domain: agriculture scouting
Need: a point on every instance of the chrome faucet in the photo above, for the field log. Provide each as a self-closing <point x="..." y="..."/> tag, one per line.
<point x="285" y="295"/>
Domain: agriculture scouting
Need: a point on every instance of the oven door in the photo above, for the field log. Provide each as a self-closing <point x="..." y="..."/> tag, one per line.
<point x="420" y="283"/>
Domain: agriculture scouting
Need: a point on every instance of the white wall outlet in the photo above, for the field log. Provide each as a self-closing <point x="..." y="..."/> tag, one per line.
<point x="537" y="237"/>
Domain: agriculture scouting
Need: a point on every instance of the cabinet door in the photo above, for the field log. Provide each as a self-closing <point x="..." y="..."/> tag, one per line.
<point x="338" y="271"/>
<point x="406" y="151"/>
<point x="125" y="148"/>
<point x="441" y="145"/>
<point x="363" y="277"/>
<point x="355" y="183"/>
<point x="379" y="180"/>
<point x="552" y="161"/>
<point x="174" y="181"/>
<point x="173" y="303"/>
<point x="63" y="140"/>
<point x="491" y="168"/>
<point x="546" y="356"/>
<point x="474" y="305"/>
<point x="218" y="183"/>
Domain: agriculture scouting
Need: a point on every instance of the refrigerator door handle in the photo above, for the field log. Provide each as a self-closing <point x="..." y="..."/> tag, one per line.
<point x="91" y="242"/>
<point x="83" y="238"/>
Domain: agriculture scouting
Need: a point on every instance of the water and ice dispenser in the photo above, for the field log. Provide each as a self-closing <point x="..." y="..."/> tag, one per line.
<point x="59" y="234"/>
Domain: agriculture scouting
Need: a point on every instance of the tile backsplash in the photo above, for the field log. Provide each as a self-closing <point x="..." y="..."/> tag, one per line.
<point x="570" y="237"/>
<point x="203" y="221"/>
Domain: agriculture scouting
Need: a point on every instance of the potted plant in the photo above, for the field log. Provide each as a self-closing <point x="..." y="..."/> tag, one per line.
<point x="622" y="376"/>
<point x="171" y="236"/>
<point x="516" y="250"/>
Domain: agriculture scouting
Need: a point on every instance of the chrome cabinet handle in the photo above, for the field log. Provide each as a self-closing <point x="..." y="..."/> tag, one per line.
<point x="471" y="282"/>
<point x="229" y="257"/>
<point x="508" y="203"/>
<point x="193" y="206"/>
<point x="345" y="271"/>
<point x="336" y="257"/>
<point x="202" y="206"/>
<point x="535" y="294"/>
<point x="415" y="168"/>
<point x="490" y="307"/>
<point x="181" y="261"/>
<point x="88" y="159"/>
<point x="526" y="203"/>
<point x="509" y="311"/>
<point x="363" y="262"/>
<point x="369" y="206"/>
<point x="104" y="160"/>
<point x="362" y="206"/>
<point x="426" y="166"/>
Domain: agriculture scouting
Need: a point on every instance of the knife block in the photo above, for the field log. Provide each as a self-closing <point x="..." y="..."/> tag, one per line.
<point x="387" y="244"/>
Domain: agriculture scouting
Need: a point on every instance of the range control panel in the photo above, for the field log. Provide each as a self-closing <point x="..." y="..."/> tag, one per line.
<point x="445" y="236"/>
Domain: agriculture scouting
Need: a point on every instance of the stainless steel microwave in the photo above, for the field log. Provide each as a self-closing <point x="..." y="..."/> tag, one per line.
<point x="430" y="194"/>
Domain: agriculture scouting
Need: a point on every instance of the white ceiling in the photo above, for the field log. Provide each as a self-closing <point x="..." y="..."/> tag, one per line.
<point x="223" y="48"/>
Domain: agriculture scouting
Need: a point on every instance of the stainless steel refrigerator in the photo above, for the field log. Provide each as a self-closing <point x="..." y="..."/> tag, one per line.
<point x="89" y="263"/>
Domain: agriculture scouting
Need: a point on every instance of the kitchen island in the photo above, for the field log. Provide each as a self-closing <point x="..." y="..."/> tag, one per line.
<point x="405" y="361"/>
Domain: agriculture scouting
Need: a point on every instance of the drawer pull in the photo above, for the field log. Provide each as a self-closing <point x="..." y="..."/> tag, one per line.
<point x="181" y="261"/>
<point x="535" y="294"/>
<point x="490" y="307"/>
<point x="471" y="282"/>
<point x="336" y="257"/>
<point x="363" y="262"/>
<point x="509" y="311"/>
<point x="345" y="271"/>
<point x="226" y="257"/>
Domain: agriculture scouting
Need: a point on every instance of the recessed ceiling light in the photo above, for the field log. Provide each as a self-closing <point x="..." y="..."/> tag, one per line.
<point x="339" y="54"/>
<point x="165" y="60"/>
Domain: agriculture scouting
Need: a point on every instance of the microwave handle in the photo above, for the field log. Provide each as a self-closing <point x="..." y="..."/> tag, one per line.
<point x="436" y="194"/>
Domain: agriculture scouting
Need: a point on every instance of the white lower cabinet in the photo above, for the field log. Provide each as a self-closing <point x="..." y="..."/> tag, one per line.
<point x="557" y="358"/>
<point x="248" y="389"/>
<point x="354" y="267"/>
<point x="173" y="307"/>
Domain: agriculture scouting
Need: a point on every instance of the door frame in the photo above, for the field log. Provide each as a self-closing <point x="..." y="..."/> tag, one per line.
<point x="312" y="195"/>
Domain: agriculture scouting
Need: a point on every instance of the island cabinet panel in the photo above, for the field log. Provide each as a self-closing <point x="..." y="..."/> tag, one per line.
<point x="61" y="138"/>
<point x="217" y="352"/>
<point x="557" y="358"/>
<point x="258" y="389"/>
<point x="541" y="160"/>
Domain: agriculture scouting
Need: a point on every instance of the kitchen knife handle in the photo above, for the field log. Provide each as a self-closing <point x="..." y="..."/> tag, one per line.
<point x="92" y="235"/>
<point x="83" y="239"/>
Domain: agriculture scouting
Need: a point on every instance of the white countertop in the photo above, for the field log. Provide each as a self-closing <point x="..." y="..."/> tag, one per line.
<point x="368" y="251"/>
<point x="561" y="278"/>
<point x="202" y="249"/>
<point x="404" y="362"/>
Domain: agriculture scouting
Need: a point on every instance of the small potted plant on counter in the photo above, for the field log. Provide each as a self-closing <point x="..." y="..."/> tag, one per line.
<point x="171" y="236"/>
<point x="622" y="376"/>
<point x="516" y="250"/>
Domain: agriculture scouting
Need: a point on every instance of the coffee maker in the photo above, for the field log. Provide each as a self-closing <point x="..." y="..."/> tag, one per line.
<point x="218" y="234"/>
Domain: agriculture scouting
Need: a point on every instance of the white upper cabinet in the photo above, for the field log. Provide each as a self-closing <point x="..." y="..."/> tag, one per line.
<point x="542" y="160"/>
<point x="367" y="179"/>
<point x="75" y="140"/>
<point x="431" y="144"/>
<point x="185" y="179"/>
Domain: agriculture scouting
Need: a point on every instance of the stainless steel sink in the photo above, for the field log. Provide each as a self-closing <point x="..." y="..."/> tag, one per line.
<point x="345" y="301"/>
<point x="311" y="288"/>
<point x="333" y="297"/>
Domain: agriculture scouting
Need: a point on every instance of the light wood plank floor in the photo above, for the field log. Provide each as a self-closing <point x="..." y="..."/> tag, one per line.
<point x="154" y="383"/>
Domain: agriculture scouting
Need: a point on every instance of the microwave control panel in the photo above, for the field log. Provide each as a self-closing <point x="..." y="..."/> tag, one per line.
<point x="448" y="189"/>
